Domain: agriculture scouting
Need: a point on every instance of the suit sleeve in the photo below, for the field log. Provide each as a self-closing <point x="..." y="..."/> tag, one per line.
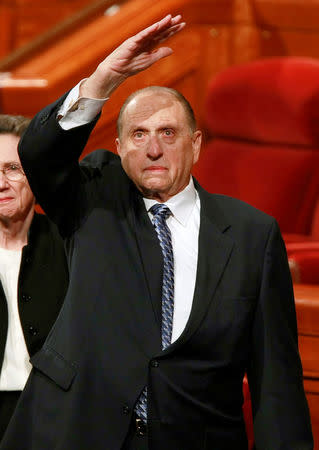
<point x="49" y="156"/>
<point x="280" y="410"/>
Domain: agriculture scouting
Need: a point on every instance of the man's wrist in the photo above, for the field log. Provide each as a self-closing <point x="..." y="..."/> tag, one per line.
<point x="76" y="110"/>
<point x="100" y="86"/>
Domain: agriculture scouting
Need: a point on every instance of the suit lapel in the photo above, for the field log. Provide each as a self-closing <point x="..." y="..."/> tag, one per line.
<point x="214" y="250"/>
<point x="151" y="258"/>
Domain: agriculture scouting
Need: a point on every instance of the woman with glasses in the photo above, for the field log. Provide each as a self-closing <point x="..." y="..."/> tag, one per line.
<point x="33" y="271"/>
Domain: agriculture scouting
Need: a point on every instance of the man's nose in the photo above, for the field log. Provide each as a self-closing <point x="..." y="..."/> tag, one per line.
<point x="154" y="149"/>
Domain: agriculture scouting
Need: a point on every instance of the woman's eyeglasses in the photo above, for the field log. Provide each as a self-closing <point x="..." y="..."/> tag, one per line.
<point x="13" y="172"/>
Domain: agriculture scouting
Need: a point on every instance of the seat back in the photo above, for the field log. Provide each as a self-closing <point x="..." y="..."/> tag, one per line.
<point x="263" y="145"/>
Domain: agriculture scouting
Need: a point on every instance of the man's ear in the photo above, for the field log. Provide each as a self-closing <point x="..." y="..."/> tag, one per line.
<point x="197" y="143"/>
<point x="118" y="146"/>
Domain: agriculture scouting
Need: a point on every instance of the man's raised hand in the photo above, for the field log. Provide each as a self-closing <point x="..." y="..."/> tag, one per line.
<point x="135" y="54"/>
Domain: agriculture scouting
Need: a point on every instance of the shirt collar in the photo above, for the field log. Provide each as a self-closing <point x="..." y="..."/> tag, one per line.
<point x="181" y="204"/>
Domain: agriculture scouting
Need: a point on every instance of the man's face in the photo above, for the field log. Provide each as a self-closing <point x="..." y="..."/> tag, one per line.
<point x="16" y="197"/>
<point x="156" y="146"/>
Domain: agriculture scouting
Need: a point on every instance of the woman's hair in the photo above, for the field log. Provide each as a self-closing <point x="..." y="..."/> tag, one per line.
<point x="15" y="125"/>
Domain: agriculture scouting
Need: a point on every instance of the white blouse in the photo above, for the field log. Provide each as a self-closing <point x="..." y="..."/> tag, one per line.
<point x="16" y="366"/>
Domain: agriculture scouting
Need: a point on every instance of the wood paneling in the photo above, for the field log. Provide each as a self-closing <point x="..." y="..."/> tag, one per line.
<point x="293" y="14"/>
<point x="7" y="29"/>
<point x="30" y="18"/>
<point x="219" y="33"/>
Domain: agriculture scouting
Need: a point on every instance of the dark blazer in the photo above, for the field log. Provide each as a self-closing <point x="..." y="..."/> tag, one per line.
<point x="105" y="346"/>
<point x="43" y="280"/>
<point x="42" y="284"/>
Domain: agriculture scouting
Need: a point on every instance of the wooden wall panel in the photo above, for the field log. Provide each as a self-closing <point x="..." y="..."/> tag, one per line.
<point x="29" y="18"/>
<point x="7" y="29"/>
<point x="294" y="14"/>
<point x="222" y="32"/>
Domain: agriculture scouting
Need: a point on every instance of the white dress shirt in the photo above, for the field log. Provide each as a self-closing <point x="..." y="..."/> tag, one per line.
<point x="183" y="223"/>
<point x="184" y="227"/>
<point x="76" y="111"/>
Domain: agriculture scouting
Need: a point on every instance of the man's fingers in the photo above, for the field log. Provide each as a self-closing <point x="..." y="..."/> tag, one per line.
<point x="170" y="32"/>
<point x="154" y="28"/>
<point x="145" y="41"/>
<point x="167" y="24"/>
<point x="160" y="53"/>
<point x="176" y="19"/>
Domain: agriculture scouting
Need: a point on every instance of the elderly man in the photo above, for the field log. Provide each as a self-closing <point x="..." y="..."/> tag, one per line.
<point x="33" y="271"/>
<point x="174" y="293"/>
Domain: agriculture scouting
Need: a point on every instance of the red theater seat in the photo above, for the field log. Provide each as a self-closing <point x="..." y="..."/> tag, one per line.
<point x="263" y="147"/>
<point x="304" y="262"/>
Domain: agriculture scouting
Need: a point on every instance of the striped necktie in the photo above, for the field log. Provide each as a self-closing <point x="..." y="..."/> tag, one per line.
<point x="160" y="213"/>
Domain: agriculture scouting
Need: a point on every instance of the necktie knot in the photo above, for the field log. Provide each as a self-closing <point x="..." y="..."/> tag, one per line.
<point x="160" y="211"/>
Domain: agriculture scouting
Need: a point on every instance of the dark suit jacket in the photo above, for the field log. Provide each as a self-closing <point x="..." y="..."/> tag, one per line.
<point x="43" y="280"/>
<point x="105" y="345"/>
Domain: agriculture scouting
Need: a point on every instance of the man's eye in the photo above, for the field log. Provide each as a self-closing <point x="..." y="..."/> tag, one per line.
<point x="168" y="132"/>
<point x="138" y="134"/>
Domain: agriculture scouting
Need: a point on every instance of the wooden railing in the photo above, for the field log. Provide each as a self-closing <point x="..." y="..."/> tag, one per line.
<point x="58" y="31"/>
